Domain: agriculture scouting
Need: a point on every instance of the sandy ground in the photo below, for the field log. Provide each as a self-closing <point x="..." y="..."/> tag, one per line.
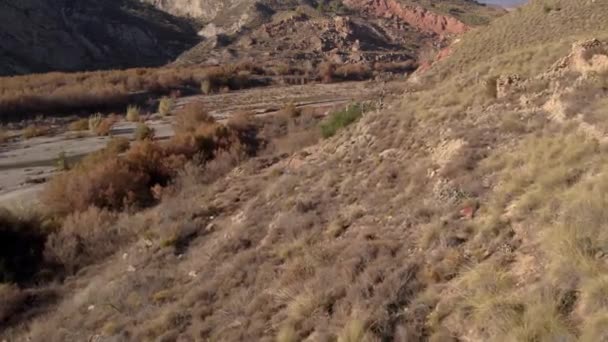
<point x="25" y="165"/>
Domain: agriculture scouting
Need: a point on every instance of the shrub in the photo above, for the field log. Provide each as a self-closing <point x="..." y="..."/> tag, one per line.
<point x="117" y="145"/>
<point x="353" y="71"/>
<point x="105" y="127"/>
<point x="206" y="86"/>
<point x="165" y="105"/>
<point x="326" y="72"/>
<point x="83" y="238"/>
<point x="79" y="125"/>
<point x="144" y="132"/>
<point x="341" y="119"/>
<point x="94" y="122"/>
<point x="4" y="136"/>
<point x="133" y="114"/>
<point x="34" y="130"/>
<point x="106" y="181"/>
<point x="190" y="118"/>
<point x="290" y="111"/>
<point x="62" y="162"/>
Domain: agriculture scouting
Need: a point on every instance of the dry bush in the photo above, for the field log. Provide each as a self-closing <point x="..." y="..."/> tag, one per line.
<point x="106" y="180"/>
<point x="143" y="132"/>
<point x="349" y="72"/>
<point x="109" y="90"/>
<point x="165" y="105"/>
<point x="396" y="67"/>
<point x="4" y="136"/>
<point x="191" y="117"/>
<point x="85" y="237"/>
<point x="79" y="125"/>
<point x="105" y="127"/>
<point x="133" y="114"/>
<point x="94" y="122"/>
<point x="326" y="72"/>
<point x="35" y="130"/>
<point x="117" y="145"/>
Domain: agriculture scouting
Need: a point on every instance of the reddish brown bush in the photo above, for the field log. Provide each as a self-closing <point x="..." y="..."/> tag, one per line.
<point x="326" y="72"/>
<point x="84" y="238"/>
<point x="107" y="180"/>
<point x="357" y="71"/>
<point x="191" y="117"/>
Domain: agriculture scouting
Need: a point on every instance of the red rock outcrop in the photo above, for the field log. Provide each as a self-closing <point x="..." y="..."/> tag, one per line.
<point x="415" y="16"/>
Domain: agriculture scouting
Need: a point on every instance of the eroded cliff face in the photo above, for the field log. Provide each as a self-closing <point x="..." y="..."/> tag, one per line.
<point x="414" y="16"/>
<point x="204" y="9"/>
<point x="69" y="35"/>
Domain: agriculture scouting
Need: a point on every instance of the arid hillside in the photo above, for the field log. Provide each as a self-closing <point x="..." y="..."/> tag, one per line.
<point x="67" y="35"/>
<point x="465" y="203"/>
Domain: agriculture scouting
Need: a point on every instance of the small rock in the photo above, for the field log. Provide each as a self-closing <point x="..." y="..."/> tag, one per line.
<point x="91" y="307"/>
<point x="125" y="256"/>
<point x="131" y="268"/>
<point x="192" y="274"/>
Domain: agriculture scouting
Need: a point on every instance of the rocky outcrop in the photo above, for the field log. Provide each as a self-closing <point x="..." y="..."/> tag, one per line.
<point x="415" y="16"/>
<point x="70" y="35"/>
<point x="204" y="9"/>
<point x="585" y="57"/>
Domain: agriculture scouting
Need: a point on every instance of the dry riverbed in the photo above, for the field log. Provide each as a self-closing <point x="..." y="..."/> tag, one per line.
<point x="26" y="164"/>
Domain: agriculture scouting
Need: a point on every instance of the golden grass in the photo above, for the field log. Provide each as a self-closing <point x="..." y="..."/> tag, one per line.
<point x="35" y="130"/>
<point x="133" y="114"/>
<point x="165" y="106"/>
<point x="79" y="125"/>
<point x="528" y="40"/>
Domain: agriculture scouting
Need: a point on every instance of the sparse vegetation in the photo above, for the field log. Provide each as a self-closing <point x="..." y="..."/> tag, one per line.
<point x="133" y="114"/>
<point x="459" y="215"/>
<point x="165" y="105"/>
<point x="79" y="125"/>
<point x="341" y="119"/>
<point x="35" y="130"/>
<point x="144" y="132"/>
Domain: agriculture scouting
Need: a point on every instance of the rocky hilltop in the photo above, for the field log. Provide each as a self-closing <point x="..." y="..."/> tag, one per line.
<point x="350" y="31"/>
<point x="67" y="35"/>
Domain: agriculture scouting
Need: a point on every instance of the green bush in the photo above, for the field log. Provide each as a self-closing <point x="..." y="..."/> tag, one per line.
<point x="343" y="118"/>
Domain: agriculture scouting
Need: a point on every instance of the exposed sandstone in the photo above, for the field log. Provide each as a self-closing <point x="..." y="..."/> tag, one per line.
<point x="414" y="16"/>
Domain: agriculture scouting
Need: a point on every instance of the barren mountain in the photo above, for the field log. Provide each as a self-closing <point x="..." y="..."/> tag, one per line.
<point x="351" y="31"/>
<point x="39" y="36"/>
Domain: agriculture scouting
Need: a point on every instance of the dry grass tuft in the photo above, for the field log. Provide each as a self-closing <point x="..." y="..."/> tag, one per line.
<point x="79" y="125"/>
<point x="35" y="130"/>
<point x="165" y="106"/>
<point x="133" y="114"/>
<point x="143" y="132"/>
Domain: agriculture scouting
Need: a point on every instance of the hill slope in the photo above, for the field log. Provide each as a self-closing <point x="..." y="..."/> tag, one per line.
<point x="39" y="36"/>
<point x="472" y="208"/>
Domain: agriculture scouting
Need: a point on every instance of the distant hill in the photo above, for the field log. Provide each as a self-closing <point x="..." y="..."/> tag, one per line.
<point x="67" y="35"/>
